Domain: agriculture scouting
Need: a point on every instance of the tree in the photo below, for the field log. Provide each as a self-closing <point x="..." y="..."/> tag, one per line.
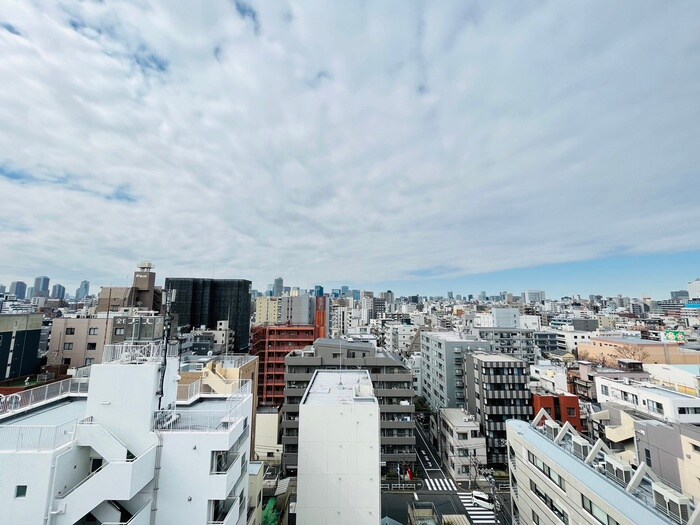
<point x="636" y="352"/>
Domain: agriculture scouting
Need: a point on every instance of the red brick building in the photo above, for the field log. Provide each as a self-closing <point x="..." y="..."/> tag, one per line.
<point x="271" y="344"/>
<point x="562" y="407"/>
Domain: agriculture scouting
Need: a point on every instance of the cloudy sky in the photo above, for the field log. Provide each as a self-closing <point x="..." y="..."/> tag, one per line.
<point x="411" y="144"/>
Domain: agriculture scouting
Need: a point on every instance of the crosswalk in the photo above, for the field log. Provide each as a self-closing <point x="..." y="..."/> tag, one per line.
<point x="477" y="515"/>
<point x="440" y="484"/>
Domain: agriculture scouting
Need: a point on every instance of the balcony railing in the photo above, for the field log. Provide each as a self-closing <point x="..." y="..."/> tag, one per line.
<point x="127" y="353"/>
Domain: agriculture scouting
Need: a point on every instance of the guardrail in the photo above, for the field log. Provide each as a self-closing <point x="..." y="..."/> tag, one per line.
<point x="25" y="399"/>
<point x="36" y="437"/>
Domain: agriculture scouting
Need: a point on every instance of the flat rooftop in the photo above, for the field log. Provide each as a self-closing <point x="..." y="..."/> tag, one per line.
<point x="625" y="503"/>
<point x="446" y="336"/>
<point x="339" y="387"/>
<point x="51" y="415"/>
<point x="496" y="358"/>
<point x="629" y="341"/>
<point x="456" y="417"/>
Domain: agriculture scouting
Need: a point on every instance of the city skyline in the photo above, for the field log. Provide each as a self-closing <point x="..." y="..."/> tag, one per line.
<point x="249" y="140"/>
<point x="556" y="280"/>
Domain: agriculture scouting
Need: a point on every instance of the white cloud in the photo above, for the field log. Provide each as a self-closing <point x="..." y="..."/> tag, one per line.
<point x="360" y="142"/>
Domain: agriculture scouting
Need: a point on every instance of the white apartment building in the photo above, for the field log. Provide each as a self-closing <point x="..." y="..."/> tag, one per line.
<point x="398" y="337"/>
<point x="339" y="476"/>
<point x="414" y="363"/>
<point x="120" y="447"/>
<point x="661" y="403"/>
<point x="559" y="477"/>
<point x="462" y="445"/>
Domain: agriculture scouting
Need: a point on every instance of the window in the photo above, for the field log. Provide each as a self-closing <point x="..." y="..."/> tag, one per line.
<point x="92" y="331"/>
<point x="118" y="331"/>
<point x="647" y="457"/>
<point x="68" y="346"/>
<point x="535" y="518"/>
<point x="20" y="491"/>
<point x="696" y="448"/>
<point x="544" y="468"/>
<point x="571" y="412"/>
<point x="604" y="390"/>
<point x="92" y="346"/>
<point x="595" y="511"/>
<point x="89" y="361"/>
<point x="70" y="331"/>
<point x="547" y="500"/>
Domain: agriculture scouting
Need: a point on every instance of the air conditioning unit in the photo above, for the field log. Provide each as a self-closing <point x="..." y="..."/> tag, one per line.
<point x="551" y="428"/>
<point x="618" y="471"/>
<point x="580" y="446"/>
<point x="671" y="502"/>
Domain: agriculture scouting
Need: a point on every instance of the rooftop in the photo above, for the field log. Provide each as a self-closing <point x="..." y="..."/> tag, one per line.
<point x="496" y="358"/>
<point x="457" y="416"/>
<point x="339" y="387"/>
<point x="639" y="504"/>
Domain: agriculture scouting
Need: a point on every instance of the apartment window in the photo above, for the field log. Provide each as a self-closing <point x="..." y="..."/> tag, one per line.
<point x="118" y="331"/>
<point x="544" y="468"/>
<point x="20" y="491"/>
<point x="92" y="346"/>
<point x="89" y="361"/>
<point x="604" y="390"/>
<point x="647" y="457"/>
<point x="571" y="412"/>
<point x="475" y="433"/>
<point x="70" y="331"/>
<point x="68" y="346"/>
<point x="547" y="500"/>
<point x="595" y="511"/>
<point x="696" y="448"/>
<point x="535" y="518"/>
<point x="92" y="331"/>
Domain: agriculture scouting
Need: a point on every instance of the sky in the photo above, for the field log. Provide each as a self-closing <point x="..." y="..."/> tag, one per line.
<point x="418" y="146"/>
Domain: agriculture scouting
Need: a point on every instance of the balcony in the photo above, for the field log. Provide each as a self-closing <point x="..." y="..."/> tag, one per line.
<point x="225" y="512"/>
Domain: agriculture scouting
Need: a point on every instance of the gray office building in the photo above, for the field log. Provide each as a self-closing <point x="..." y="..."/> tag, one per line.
<point x="41" y="286"/>
<point x="517" y="342"/>
<point x="392" y="382"/>
<point x="497" y="390"/>
<point x="18" y="289"/>
<point x="58" y="291"/>
<point x="441" y="372"/>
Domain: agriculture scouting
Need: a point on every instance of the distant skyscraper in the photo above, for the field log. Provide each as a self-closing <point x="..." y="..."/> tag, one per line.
<point x="278" y="287"/>
<point x="30" y="293"/>
<point x="205" y="302"/>
<point x="681" y="296"/>
<point x="344" y="290"/>
<point x="2" y="288"/>
<point x="41" y="286"/>
<point x="58" y="292"/>
<point x="82" y="291"/>
<point x="318" y="290"/>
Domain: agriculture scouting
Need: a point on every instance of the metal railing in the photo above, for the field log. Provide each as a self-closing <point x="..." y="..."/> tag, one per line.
<point x="36" y="437"/>
<point x="136" y="353"/>
<point x="26" y="399"/>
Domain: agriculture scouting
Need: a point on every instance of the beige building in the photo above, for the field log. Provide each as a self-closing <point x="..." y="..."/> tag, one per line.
<point x="143" y="293"/>
<point x="256" y="474"/>
<point x="267" y="434"/>
<point x="610" y="349"/>
<point x="267" y="310"/>
<point x="80" y="341"/>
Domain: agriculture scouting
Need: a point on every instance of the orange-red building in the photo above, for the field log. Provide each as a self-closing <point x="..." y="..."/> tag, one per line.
<point x="271" y="344"/>
<point x="562" y="407"/>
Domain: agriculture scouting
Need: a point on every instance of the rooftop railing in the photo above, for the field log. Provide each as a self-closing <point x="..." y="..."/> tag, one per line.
<point x="26" y="399"/>
<point x="128" y="353"/>
<point x="218" y="420"/>
<point x="36" y="437"/>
